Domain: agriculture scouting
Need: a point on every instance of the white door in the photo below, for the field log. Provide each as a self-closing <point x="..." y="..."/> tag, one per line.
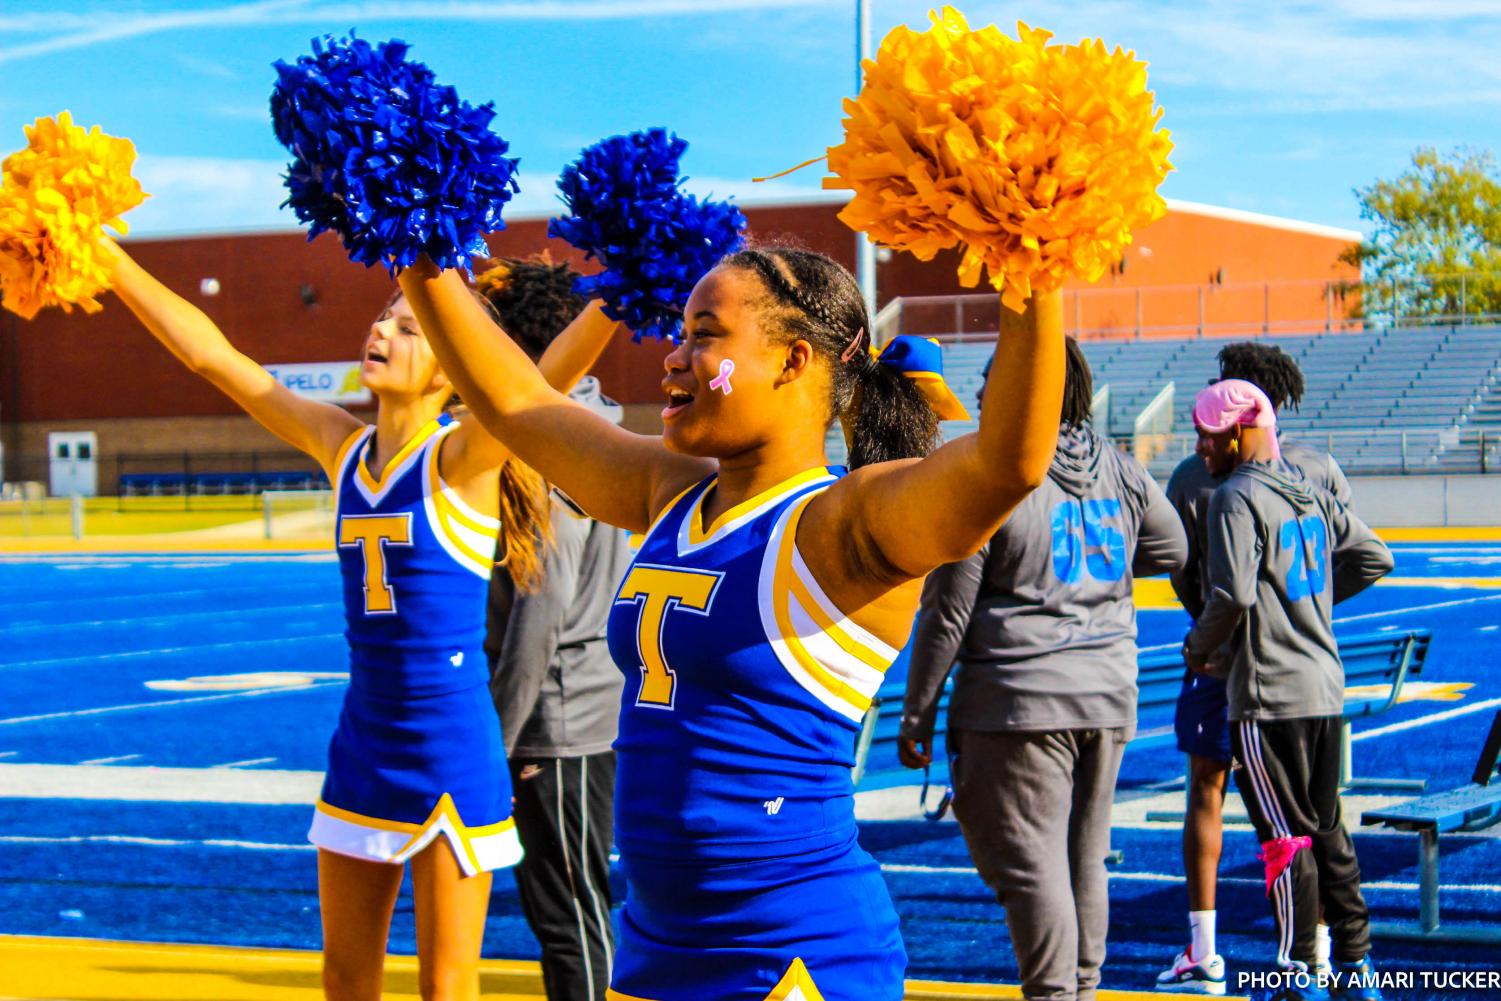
<point x="73" y="466"/>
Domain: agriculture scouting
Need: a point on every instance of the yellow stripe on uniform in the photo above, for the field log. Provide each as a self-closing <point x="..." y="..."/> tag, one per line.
<point x="451" y="512"/>
<point x="797" y="983"/>
<point x="447" y="515"/>
<point x="697" y="535"/>
<point x="643" y="536"/>
<point x="343" y="452"/>
<point x="781" y="598"/>
<point x="815" y="611"/>
<point x="395" y="826"/>
<point x="374" y="485"/>
<point x="443" y="809"/>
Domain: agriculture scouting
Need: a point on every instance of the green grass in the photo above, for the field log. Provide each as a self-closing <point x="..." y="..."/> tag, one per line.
<point x="52" y="518"/>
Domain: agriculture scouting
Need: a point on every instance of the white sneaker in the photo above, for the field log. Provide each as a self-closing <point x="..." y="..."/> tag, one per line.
<point x="1190" y="976"/>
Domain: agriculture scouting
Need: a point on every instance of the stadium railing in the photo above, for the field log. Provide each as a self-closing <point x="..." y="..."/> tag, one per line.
<point x="1216" y="309"/>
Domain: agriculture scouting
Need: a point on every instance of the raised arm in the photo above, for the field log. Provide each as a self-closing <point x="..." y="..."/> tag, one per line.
<point x="618" y="477"/>
<point x="315" y="428"/>
<point x="895" y="521"/>
<point x="472" y="451"/>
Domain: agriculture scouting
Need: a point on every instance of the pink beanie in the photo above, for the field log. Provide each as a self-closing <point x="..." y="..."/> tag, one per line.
<point x="1232" y="402"/>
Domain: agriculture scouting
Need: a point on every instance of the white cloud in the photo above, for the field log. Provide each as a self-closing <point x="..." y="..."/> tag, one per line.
<point x="79" y="31"/>
<point x="191" y="194"/>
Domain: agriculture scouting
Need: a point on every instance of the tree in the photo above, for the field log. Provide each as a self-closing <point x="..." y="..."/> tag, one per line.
<point x="1436" y="251"/>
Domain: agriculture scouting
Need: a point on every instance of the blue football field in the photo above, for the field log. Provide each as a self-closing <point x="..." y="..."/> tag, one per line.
<point x="163" y="721"/>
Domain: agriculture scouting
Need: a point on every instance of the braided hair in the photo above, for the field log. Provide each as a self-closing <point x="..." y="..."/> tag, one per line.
<point x="1267" y="367"/>
<point x="814" y="299"/>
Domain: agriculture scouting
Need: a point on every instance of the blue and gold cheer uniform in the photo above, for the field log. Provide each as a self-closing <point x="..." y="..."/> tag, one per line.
<point x="734" y="804"/>
<point x="418" y="752"/>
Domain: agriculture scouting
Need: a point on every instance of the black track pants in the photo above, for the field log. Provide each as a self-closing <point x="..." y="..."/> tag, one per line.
<point x="1289" y="779"/>
<point x="564" y="815"/>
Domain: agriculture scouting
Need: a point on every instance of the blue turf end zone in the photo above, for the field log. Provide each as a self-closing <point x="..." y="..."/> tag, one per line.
<point x="98" y="661"/>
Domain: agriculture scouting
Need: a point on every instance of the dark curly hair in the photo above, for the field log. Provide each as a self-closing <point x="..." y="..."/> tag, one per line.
<point x="1078" y="386"/>
<point x="815" y="299"/>
<point x="533" y="298"/>
<point x="1267" y="367"/>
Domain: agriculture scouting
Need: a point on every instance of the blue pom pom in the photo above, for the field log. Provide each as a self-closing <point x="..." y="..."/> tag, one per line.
<point x="387" y="158"/>
<point x="627" y="209"/>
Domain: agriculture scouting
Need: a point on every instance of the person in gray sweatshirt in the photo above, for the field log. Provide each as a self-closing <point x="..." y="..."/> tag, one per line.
<point x="1202" y="717"/>
<point x="1043" y="627"/>
<point x="555" y="687"/>
<point x="1281" y="553"/>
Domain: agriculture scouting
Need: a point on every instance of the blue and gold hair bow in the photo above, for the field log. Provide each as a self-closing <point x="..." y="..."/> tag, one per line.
<point x="921" y="360"/>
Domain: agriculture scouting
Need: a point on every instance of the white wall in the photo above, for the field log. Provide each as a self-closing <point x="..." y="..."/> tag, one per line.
<point x="1427" y="501"/>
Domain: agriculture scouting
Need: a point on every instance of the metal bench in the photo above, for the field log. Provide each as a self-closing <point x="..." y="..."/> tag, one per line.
<point x="1475" y="806"/>
<point x="212" y="482"/>
<point x="1385" y="660"/>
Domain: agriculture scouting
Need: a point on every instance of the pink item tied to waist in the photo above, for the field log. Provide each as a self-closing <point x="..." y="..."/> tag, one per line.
<point x="1232" y="402"/>
<point x="1278" y="853"/>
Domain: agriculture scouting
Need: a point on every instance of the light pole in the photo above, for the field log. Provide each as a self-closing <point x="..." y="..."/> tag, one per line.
<point x="865" y="251"/>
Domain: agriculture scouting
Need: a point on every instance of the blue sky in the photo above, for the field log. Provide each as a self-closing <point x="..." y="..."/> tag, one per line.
<point x="1280" y="108"/>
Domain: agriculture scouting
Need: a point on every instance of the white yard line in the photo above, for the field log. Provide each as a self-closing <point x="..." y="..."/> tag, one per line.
<point x="163" y="703"/>
<point x="126" y="839"/>
<point x="244" y="764"/>
<point x="161" y="785"/>
<point x="95" y="658"/>
<point x="1413" y="724"/>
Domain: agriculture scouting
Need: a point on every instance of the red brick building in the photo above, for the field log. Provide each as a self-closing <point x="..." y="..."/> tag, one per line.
<point x="283" y="300"/>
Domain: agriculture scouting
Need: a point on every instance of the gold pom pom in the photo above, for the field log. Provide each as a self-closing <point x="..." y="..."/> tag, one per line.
<point x="56" y="197"/>
<point x="1037" y="160"/>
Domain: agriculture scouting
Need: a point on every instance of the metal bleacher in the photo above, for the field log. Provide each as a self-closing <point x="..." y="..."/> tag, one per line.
<point x="1422" y="399"/>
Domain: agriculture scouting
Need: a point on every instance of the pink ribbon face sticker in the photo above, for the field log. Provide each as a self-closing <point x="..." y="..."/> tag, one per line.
<point x="721" y="381"/>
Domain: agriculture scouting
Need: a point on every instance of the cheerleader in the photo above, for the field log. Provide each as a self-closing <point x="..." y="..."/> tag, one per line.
<point x="416" y="768"/>
<point x="769" y="596"/>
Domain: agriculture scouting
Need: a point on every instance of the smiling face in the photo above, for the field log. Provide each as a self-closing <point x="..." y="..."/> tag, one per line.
<point x="772" y="384"/>
<point x="397" y="359"/>
<point x="1220" y="451"/>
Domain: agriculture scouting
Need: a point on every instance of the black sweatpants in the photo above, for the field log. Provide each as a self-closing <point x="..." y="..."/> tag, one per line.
<point x="1289" y="779"/>
<point x="565" y="817"/>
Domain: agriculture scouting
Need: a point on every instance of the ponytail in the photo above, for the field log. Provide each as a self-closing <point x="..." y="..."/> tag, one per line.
<point x="525" y="523"/>
<point x="888" y="418"/>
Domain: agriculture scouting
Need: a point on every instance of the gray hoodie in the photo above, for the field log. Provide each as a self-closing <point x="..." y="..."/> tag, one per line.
<point x="1281" y="554"/>
<point x="554" y="684"/>
<point x="1190" y="488"/>
<point x="1041" y="618"/>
